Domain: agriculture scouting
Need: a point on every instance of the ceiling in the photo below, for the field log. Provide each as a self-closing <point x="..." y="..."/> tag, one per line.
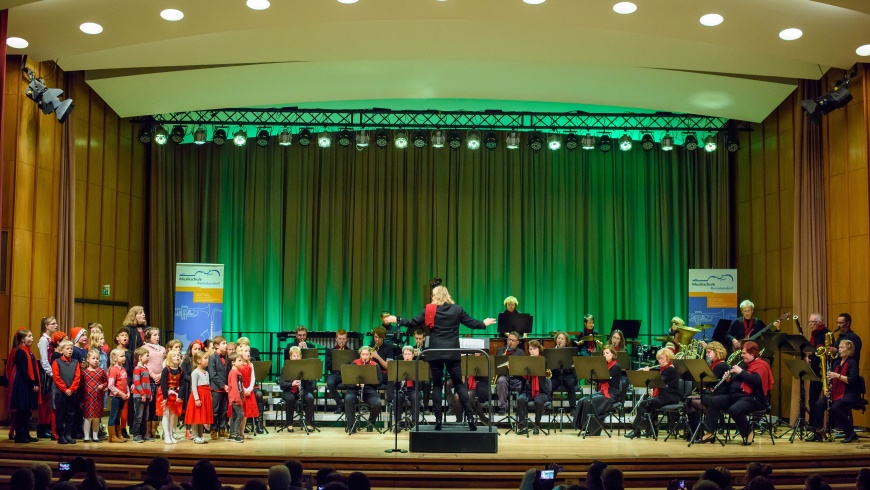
<point x="450" y="55"/>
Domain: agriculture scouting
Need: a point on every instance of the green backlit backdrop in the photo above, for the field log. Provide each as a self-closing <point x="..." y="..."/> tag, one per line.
<point x="328" y="238"/>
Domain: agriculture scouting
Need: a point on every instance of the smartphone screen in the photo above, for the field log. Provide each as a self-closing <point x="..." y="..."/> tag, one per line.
<point x="63" y="466"/>
<point x="548" y="474"/>
<point x="681" y="484"/>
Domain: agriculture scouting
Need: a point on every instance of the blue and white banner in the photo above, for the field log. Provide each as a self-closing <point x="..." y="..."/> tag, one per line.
<point x="712" y="296"/>
<point x="199" y="302"/>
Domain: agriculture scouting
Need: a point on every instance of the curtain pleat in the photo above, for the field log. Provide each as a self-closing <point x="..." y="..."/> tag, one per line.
<point x="66" y="254"/>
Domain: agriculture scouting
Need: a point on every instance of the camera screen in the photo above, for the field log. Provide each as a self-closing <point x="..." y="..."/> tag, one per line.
<point x="548" y="474"/>
<point x="63" y="466"/>
<point x="682" y="484"/>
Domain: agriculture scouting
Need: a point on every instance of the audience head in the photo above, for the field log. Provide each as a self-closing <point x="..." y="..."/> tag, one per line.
<point x="358" y="481"/>
<point x="705" y="485"/>
<point x="611" y="478"/>
<point x="593" y="475"/>
<point x="754" y="469"/>
<point x="204" y="476"/>
<point x="22" y="478"/>
<point x="63" y="485"/>
<point x="41" y="476"/>
<point x="336" y="477"/>
<point x="863" y="481"/>
<point x="295" y="469"/>
<point x="719" y="475"/>
<point x="336" y="485"/>
<point x="158" y="470"/>
<point x="760" y="483"/>
<point x="816" y="482"/>
<point x="322" y="473"/>
<point x="279" y="477"/>
<point x="255" y="485"/>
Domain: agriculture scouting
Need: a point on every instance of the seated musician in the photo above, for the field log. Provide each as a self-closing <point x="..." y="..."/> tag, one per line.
<point x="405" y="391"/>
<point x="566" y="377"/>
<point x="716" y="355"/>
<point x="300" y="341"/>
<point x="504" y="381"/>
<point x="617" y="340"/>
<point x="748" y="389"/>
<point x="589" y="347"/>
<point x="333" y="379"/>
<point x="844" y="396"/>
<point x="369" y="395"/>
<point x="420" y="346"/>
<point x="293" y="390"/>
<point x="661" y="397"/>
<point x="384" y="351"/>
<point x="674" y="333"/>
<point x="480" y="392"/>
<point x="535" y="389"/>
<point x="600" y="401"/>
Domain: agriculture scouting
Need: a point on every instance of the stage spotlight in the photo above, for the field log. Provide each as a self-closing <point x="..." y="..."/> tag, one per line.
<point x="512" y="140"/>
<point x="362" y="139"/>
<point x="838" y="97"/>
<point x="46" y="98"/>
<point x="240" y="137"/>
<point x="400" y="140"/>
<point x="667" y="142"/>
<point x="472" y="140"/>
<point x="437" y="139"/>
<point x="732" y="144"/>
<point x="454" y="141"/>
<point x="587" y="142"/>
<point x="263" y="138"/>
<point x="710" y="144"/>
<point x="145" y="134"/>
<point x="305" y="137"/>
<point x="647" y="142"/>
<point x="344" y="138"/>
<point x="160" y="135"/>
<point x="382" y="139"/>
<point x="571" y="142"/>
<point x="285" y="138"/>
<point x="625" y="142"/>
<point x="418" y="139"/>
<point x="691" y="142"/>
<point x="324" y="139"/>
<point x="605" y="144"/>
<point x="490" y="141"/>
<point x="199" y="136"/>
<point x="177" y="134"/>
<point x="554" y="141"/>
<point x="219" y="137"/>
<point x="535" y="141"/>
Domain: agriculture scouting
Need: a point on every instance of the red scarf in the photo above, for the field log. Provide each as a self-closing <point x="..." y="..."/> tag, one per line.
<point x="747" y="328"/>
<point x="536" y="385"/>
<point x="430" y="315"/>
<point x="758" y="366"/>
<point x="655" y="392"/>
<point x="604" y="386"/>
<point x="838" y="388"/>
<point x="472" y="383"/>
<point x="590" y="345"/>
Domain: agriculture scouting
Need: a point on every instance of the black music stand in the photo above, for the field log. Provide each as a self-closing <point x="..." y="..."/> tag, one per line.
<point x="353" y="375"/>
<point x="500" y="365"/>
<point x="520" y="323"/>
<point x="630" y="328"/>
<point x="480" y="367"/>
<point x="527" y="366"/>
<point x="647" y="379"/>
<point x="261" y="373"/>
<point x="399" y="372"/>
<point x="342" y="357"/>
<point x="303" y="370"/>
<point x="623" y="359"/>
<point x="560" y="358"/>
<point x="309" y="353"/>
<point x="802" y="371"/>
<point x="700" y="373"/>
<point x="591" y="368"/>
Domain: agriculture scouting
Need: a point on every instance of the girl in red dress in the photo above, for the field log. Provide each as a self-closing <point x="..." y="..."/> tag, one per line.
<point x="249" y="401"/>
<point x="168" y="402"/>
<point x="95" y="382"/>
<point x="199" y="409"/>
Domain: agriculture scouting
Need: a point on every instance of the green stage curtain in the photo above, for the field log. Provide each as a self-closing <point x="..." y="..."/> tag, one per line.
<point x="329" y="238"/>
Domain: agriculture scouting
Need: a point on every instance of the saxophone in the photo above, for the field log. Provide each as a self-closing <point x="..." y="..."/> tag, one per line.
<point x="824" y="360"/>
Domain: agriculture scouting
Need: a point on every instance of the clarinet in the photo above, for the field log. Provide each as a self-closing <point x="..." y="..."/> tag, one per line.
<point x="724" y="377"/>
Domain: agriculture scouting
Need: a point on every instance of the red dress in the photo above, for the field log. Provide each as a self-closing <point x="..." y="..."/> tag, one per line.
<point x="174" y="403"/>
<point x="202" y="414"/>
<point x="93" y="400"/>
<point x="249" y="403"/>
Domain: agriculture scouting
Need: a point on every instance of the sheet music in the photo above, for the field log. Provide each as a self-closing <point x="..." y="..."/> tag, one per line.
<point x="472" y="343"/>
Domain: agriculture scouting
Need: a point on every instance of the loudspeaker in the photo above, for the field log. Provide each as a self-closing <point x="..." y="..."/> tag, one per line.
<point x="453" y="440"/>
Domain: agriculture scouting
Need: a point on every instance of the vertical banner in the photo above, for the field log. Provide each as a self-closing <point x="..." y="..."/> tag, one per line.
<point x="199" y="302"/>
<point x="712" y="297"/>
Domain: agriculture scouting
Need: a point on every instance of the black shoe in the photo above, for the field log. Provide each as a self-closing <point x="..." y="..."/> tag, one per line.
<point x="749" y="439"/>
<point x="370" y="428"/>
<point x="850" y="439"/>
<point x="70" y="440"/>
<point x="708" y="437"/>
<point x="815" y="437"/>
<point x="522" y="431"/>
<point x="32" y="439"/>
<point x="19" y="440"/>
<point x="60" y="440"/>
<point x="437" y="425"/>
<point x="338" y="409"/>
<point x="471" y="425"/>
<point x="500" y="412"/>
<point x="632" y="434"/>
<point x="536" y="431"/>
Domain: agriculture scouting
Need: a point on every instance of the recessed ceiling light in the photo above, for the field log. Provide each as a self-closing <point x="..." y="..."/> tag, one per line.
<point x="21" y="43"/>
<point x="258" y="4"/>
<point x="91" y="28"/>
<point x="348" y="1"/>
<point x="624" y="8"/>
<point x="711" y="20"/>
<point x="172" y="15"/>
<point x="862" y="50"/>
<point x="790" y="34"/>
<point x="534" y="2"/>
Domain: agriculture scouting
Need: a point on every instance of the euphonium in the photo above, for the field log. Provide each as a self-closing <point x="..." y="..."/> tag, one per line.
<point x="549" y="373"/>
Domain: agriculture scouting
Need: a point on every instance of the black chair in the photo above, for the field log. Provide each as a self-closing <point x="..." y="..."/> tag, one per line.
<point x="616" y="410"/>
<point x="676" y="412"/>
<point x="759" y="421"/>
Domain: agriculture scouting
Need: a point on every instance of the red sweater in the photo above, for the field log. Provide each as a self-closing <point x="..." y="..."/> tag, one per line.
<point x="72" y="381"/>
<point x="141" y="382"/>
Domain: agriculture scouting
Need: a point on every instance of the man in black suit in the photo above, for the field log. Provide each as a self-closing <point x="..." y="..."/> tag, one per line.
<point x="301" y="341"/>
<point x="844" y="325"/>
<point x="443" y="318"/>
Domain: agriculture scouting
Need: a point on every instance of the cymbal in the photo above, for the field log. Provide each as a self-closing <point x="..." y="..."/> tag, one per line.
<point x="663" y="338"/>
<point x="590" y="338"/>
<point x="693" y="330"/>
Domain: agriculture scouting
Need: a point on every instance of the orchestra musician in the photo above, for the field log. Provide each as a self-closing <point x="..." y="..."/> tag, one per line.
<point x="535" y="389"/>
<point x="844" y="326"/>
<point x="747" y="392"/>
<point x="503" y="382"/>
<point x="844" y="393"/>
<point x="369" y="395"/>
<point x="661" y="397"/>
<point x="817" y="339"/>
<point x="293" y="390"/>
<point x="674" y="333"/>
<point x="301" y="341"/>
<point x="617" y="340"/>
<point x="443" y="317"/>
<point x="407" y="389"/>
<point x="382" y="353"/>
<point x="419" y="346"/>
<point x="716" y="355"/>
<point x="590" y="347"/>
<point x="607" y="394"/>
<point x="333" y="378"/>
<point x="565" y="378"/>
<point x="744" y="327"/>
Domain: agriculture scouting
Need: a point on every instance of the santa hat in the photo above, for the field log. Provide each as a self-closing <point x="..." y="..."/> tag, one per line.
<point x="77" y="333"/>
<point x="56" y="337"/>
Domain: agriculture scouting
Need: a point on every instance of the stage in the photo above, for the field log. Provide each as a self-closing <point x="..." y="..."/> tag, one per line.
<point x="647" y="463"/>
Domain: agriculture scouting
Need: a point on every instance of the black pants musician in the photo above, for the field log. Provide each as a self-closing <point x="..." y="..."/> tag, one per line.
<point x="844" y="385"/>
<point x="670" y="394"/>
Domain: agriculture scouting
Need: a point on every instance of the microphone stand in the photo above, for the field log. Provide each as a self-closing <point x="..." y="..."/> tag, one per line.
<point x="399" y="385"/>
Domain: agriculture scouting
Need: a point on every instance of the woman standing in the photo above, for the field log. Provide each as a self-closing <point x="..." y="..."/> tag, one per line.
<point x="844" y="395"/>
<point x="26" y="385"/>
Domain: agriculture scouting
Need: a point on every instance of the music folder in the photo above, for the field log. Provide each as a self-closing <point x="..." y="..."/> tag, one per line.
<point x="514" y="322"/>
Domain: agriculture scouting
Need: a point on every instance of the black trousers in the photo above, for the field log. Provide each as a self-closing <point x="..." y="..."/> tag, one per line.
<point x="65" y="411"/>
<point x="595" y="403"/>
<point x="650" y="406"/>
<point x="566" y="379"/>
<point x="333" y="384"/>
<point x="370" y="397"/>
<point x="454" y="370"/>
<point x="739" y="405"/>
<point x="523" y="407"/>
<point x="290" y="400"/>
<point x="838" y="416"/>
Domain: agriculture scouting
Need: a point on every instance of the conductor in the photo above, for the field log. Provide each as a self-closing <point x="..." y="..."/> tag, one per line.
<point x="442" y="317"/>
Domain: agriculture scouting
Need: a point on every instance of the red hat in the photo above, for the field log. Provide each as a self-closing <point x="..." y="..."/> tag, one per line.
<point x="56" y="337"/>
<point x="77" y="333"/>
